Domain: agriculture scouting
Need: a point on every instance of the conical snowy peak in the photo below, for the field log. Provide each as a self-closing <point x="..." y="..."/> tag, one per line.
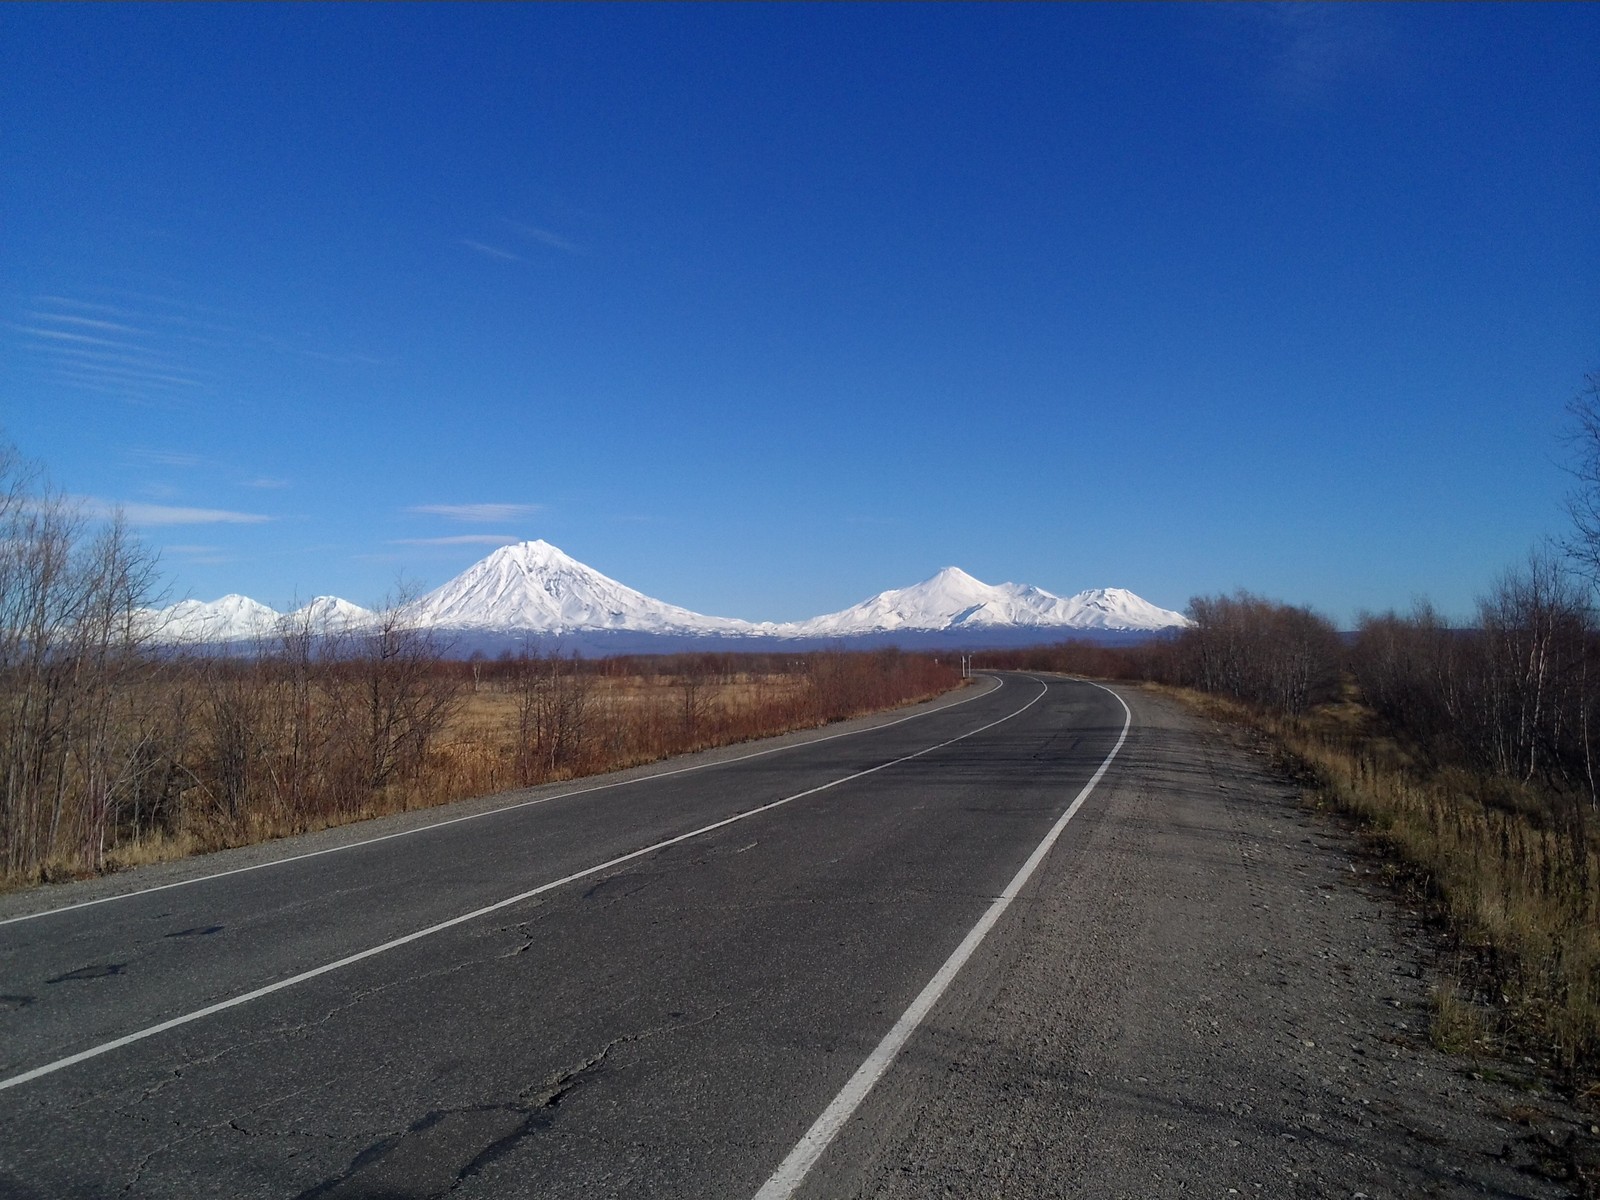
<point x="535" y="555"/>
<point x="534" y="586"/>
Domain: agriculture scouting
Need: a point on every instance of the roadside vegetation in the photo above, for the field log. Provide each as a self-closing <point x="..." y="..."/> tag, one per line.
<point x="1469" y="752"/>
<point x="1467" y="756"/>
<point x="116" y="751"/>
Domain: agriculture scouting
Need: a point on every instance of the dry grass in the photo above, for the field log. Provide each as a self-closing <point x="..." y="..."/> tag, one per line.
<point x="488" y="712"/>
<point x="484" y="747"/>
<point x="642" y="719"/>
<point x="1513" y="869"/>
<point x="1455" y="1024"/>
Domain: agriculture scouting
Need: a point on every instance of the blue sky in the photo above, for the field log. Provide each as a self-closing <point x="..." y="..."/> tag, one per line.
<point x="765" y="309"/>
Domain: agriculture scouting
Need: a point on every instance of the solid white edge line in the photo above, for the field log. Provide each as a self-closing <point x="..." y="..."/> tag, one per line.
<point x="417" y="935"/>
<point x="791" y="1173"/>
<point x="493" y="812"/>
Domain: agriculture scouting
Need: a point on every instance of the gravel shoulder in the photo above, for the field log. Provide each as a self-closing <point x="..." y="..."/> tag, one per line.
<point x="1205" y="991"/>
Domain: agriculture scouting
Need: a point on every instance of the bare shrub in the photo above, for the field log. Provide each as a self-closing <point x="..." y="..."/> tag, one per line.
<point x="1274" y="656"/>
<point x="70" y="667"/>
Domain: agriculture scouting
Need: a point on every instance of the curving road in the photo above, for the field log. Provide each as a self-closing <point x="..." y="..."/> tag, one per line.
<point x="648" y="989"/>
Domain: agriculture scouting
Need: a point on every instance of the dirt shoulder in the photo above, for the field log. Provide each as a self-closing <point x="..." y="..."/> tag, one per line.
<point x="1207" y="991"/>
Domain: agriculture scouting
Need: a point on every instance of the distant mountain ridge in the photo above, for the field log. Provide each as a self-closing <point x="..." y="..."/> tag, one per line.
<point x="534" y="588"/>
<point x="952" y="600"/>
<point x="239" y="619"/>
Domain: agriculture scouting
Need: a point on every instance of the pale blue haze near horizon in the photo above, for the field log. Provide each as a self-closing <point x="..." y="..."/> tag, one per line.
<point x="764" y="309"/>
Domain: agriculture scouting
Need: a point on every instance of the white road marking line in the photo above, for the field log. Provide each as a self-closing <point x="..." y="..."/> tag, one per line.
<point x="791" y="1173"/>
<point x="418" y="935"/>
<point x="492" y="812"/>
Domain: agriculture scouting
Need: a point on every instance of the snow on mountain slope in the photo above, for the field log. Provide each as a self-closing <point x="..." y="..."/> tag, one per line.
<point x="534" y="586"/>
<point x="1118" y="608"/>
<point x="236" y="618"/>
<point x="954" y="600"/>
<point x="329" y="614"/>
<point x="233" y="618"/>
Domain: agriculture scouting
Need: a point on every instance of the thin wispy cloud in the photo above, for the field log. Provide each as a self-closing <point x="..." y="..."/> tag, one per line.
<point x="84" y="322"/>
<point x="126" y="376"/>
<point x="145" y="349"/>
<point x="1302" y="52"/>
<point x="112" y="364"/>
<point x="107" y="350"/>
<point x="545" y="237"/>
<point x="477" y="512"/>
<point x="491" y="251"/>
<point x="58" y="302"/>
<point x="170" y="514"/>
<point x="462" y="539"/>
<point x="266" y="483"/>
<point x="68" y="335"/>
<point x="130" y="356"/>
<point x="1312" y="47"/>
<point x="338" y="357"/>
<point x="167" y="514"/>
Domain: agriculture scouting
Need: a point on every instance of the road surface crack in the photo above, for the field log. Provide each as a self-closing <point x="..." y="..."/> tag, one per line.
<point x="444" y="1148"/>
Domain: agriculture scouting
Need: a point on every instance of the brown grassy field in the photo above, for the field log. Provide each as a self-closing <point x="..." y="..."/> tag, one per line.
<point x="218" y="753"/>
<point x="478" y="749"/>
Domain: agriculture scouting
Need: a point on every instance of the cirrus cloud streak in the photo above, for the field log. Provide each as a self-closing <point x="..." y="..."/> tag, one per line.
<point x="168" y="514"/>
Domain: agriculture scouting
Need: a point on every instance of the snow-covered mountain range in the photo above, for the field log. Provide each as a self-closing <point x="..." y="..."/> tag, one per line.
<point x="239" y="619"/>
<point x="954" y="600"/>
<point x="533" y="588"/>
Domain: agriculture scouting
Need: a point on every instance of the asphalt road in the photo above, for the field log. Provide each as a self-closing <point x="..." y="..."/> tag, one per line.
<point x="487" y="1008"/>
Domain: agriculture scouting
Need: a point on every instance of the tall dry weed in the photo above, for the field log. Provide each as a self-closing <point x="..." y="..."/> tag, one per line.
<point x="314" y="733"/>
<point x="1512" y="867"/>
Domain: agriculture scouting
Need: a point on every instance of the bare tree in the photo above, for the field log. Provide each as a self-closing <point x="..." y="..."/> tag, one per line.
<point x="70" y="634"/>
<point x="554" y="715"/>
<point x="1583" y="501"/>
<point x="407" y="697"/>
<point x="1272" y="655"/>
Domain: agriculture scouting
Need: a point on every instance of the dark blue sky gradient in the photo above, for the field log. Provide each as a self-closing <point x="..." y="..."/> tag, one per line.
<point x="765" y="309"/>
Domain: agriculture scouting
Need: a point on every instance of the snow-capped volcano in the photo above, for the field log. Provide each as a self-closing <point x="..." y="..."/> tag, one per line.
<point x="954" y="600"/>
<point x="534" y="586"/>
<point x="233" y="618"/>
<point x="329" y="614"/>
